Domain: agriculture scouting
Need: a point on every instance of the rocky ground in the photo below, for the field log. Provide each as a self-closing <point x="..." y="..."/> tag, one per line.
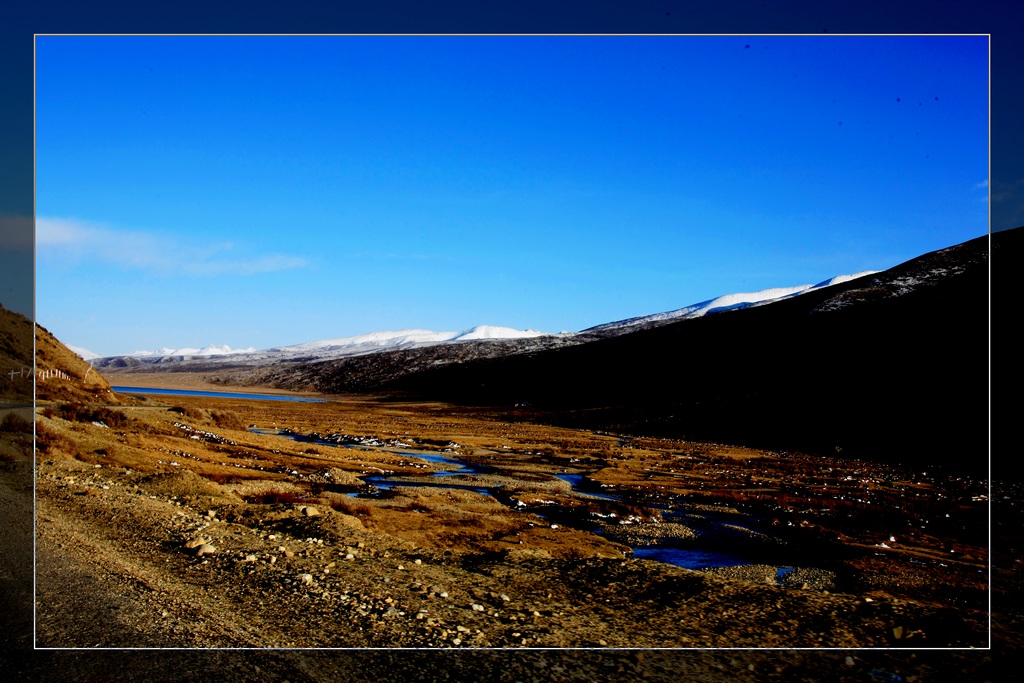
<point x="143" y="540"/>
<point x="228" y="538"/>
<point x="220" y="574"/>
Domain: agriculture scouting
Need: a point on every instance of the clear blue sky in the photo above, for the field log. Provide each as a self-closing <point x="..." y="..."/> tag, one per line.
<point x="263" y="191"/>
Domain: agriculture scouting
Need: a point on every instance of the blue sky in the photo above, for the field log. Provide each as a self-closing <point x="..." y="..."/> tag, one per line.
<point x="263" y="191"/>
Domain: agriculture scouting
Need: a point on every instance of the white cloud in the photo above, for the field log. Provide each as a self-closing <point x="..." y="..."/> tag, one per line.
<point x="983" y="185"/>
<point x="155" y="252"/>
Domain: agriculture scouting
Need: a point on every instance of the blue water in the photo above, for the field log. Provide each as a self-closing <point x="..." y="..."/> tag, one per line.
<point x="464" y="467"/>
<point x="385" y="483"/>
<point x="690" y="558"/>
<point x="576" y="480"/>
<point x="215" y="394"/>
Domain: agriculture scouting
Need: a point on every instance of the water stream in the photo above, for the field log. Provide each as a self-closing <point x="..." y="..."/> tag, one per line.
<point x="709" y="552"/>
<point x="216" y="394"/>
<point x="713" y="552"/>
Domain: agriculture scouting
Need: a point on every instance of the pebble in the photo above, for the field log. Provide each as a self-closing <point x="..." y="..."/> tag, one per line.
<point x="205" y="549"/>
<point x="647" y="534"/>
<point x="197" y="541"/>
<point x="310" y="511"/>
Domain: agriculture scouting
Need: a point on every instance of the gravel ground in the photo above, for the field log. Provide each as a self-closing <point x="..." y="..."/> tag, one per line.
<point x="87" y="607"/>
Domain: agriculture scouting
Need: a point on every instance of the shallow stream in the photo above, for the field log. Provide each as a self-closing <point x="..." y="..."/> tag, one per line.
<point x="719" y="543"/>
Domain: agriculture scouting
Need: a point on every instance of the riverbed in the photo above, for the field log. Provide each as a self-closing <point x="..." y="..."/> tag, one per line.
<point x="723" y="539"/>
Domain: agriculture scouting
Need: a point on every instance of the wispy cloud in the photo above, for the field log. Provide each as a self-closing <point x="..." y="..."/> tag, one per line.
<point x="159" y="253"/>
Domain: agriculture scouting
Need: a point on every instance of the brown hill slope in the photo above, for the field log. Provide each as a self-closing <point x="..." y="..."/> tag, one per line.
<point x="15" y="357"/>
<point x="76" y="381"/>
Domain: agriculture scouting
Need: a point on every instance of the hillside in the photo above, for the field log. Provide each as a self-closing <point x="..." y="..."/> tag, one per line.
<point x="71" y="378"/>
<point x="15" y="357"/>
<point x="890" y="366"/>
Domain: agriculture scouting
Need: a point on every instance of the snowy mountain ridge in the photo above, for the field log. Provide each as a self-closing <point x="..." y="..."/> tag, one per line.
<point x="332" y="348"/>
<point x="726" y="302"/>
<point x="373" y="342"/>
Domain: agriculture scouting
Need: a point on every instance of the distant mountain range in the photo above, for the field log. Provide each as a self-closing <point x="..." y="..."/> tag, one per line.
<point x="890" y="365"/>
<point x="375" y="342"/>
<point x="351" y="346"/>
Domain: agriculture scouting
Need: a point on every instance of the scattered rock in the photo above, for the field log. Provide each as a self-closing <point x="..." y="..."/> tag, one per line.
<point x="196" y="542"/>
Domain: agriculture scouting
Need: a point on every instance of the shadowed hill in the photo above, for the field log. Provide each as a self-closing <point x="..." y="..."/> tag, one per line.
<point x="15" y="357"/>
<point x="892" y="366"/>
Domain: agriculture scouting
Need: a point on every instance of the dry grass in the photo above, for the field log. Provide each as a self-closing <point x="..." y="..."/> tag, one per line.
<point x="15" y="424"/>
<point x="278" y="497"/>
<point x="350" y="506"/>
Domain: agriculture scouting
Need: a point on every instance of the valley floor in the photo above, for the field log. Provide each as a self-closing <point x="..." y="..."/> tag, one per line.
<point x="208" y="534"/>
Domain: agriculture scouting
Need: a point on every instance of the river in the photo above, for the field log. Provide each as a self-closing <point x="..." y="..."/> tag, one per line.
<point x="216" y="394"/>
<point x="716" y="547"/>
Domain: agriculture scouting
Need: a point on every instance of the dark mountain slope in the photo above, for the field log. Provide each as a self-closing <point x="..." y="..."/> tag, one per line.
<point x="15" y="357"/>
<point x="892" y="366"/>
<point x="1007" y="363"/>
<point x="369" y="372"/>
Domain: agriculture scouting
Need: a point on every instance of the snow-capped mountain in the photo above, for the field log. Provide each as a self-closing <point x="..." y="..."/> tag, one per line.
<point x="204" y="351"/>
<point x="374" y="342"/>
<point x="336" y="348"/>
<point x="725" y="302"/>
<point x="84" y="354"/>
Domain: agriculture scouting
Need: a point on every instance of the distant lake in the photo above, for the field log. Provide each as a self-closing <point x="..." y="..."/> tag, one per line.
<point x="215" y="394"/>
